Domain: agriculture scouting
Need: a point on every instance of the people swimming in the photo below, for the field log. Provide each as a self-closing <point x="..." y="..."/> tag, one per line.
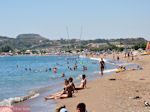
<point x="69" y="68"/>
<point x="30" y="69"/>
<point x="45" y="69"/>
<point x="75" y="67"/>
<point x="26" y="69"/>
<point x="55" y="70"/>
<point x="83" y="83"/>
<point x="63" y="75"/>
<point x="50" y="69"/>
<point x="84" y="68"/>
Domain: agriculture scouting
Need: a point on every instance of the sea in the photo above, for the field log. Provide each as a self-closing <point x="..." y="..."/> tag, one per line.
<point x="30" y="77"/>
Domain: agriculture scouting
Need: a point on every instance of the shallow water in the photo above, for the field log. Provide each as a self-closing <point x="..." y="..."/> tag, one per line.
<point x="16" y="82"/>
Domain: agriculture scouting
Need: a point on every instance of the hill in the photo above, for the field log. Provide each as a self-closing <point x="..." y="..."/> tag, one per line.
<point x="23" y="41"/>
<point x="36" y="41"/>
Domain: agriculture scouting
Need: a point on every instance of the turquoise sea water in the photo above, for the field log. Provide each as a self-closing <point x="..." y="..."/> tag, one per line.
<point x="16" y="82"/>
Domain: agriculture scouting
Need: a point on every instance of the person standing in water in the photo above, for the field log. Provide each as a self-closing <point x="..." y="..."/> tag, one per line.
<point x="102" y="63"/>
<point x="118" y="58"/>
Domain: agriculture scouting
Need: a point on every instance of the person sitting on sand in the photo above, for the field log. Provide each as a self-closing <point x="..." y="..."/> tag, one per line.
<point x="67" y="94"/>
<point x="81" y="107"/>
<point x="72" y="84"/>
<point x="61" y="92"/>
<point x="83" y="83"/>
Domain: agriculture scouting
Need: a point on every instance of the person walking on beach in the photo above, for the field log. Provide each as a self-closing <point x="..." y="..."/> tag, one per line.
<point x="102" y="63"/>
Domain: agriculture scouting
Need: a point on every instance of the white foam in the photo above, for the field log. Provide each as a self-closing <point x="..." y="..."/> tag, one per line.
<point x="98" y="59"/>
<point x="10" y="101"/>
<point x="34" y="96"/>
<point x="81" y="56"/>
<point x="107" y="71"/>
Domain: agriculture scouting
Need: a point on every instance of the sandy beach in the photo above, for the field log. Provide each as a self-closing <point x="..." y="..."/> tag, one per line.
<point x="125" y="94"/>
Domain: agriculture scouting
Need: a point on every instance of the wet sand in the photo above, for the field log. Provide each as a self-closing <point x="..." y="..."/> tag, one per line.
<point x="104" y="95"/>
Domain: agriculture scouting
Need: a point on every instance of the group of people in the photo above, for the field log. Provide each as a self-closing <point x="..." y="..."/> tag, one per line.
<point x="68" y="89"/>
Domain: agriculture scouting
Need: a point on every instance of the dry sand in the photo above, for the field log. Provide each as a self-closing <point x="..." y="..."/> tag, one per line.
<point x="104" y="95"/>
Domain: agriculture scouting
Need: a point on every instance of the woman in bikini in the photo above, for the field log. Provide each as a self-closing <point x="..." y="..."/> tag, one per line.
<point x="66" y="93"/>
<point x="61" y="92"/>
<point x="83" y="83"/>
<point x="72" y="84"/>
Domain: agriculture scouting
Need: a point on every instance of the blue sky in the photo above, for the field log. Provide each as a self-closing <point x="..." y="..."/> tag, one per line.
<point x="98" y="18"/>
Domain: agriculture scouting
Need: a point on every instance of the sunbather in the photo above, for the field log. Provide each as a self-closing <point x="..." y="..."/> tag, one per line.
<point x="83" y="83"/>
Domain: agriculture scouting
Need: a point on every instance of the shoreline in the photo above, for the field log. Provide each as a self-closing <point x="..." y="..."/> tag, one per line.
<point x="34" y="100"/>
<point x="118" y="95"/>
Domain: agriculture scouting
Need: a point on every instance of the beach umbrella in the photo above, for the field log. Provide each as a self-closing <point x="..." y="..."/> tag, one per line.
<point x="148" y="48"/>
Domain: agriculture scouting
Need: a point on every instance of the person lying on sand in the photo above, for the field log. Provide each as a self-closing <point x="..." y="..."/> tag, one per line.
<point x="137" y="68"/>
<point x="83" y="83"/>
<point x="66" y="94"/>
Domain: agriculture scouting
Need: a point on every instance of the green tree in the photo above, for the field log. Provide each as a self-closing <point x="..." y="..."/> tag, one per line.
<point x="5" y="48"/>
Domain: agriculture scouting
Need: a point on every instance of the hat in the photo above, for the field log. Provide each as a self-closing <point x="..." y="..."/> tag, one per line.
<point x="63" y="110"/>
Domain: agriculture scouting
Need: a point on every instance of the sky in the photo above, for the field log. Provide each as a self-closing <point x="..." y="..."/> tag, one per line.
<point x="84" y="19"/>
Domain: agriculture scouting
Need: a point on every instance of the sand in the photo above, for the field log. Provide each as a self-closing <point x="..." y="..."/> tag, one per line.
<point x="104" y="95"/>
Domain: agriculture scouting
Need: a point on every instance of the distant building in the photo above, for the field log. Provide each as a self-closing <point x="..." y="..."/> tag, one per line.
<point x="98" y="45"/>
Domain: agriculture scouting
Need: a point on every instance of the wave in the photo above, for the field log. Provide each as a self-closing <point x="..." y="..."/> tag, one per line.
<point x="11" y="101"/>
<point x="107" y="71"/>
<point x="82" y="56"/>
<point x="98" y="59"/>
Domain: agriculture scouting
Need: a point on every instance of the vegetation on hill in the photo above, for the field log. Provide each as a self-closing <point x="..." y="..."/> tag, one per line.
<point x="35" y="41"/>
